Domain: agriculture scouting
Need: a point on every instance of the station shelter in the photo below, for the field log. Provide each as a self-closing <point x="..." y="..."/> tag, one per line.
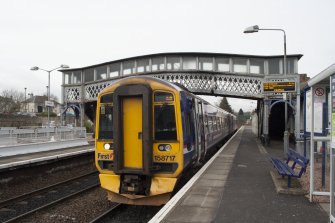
<point x="319" y="128"/>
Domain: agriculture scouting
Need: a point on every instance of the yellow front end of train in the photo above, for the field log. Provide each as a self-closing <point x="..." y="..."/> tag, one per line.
<point x="139" y="143"/>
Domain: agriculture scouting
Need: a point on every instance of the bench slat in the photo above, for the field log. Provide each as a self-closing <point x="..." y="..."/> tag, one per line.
<point x="284" y="169"/>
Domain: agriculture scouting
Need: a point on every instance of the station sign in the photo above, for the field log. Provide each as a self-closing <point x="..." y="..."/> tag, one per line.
<point x="49" y="104"/>
<point x="279" y="87"/>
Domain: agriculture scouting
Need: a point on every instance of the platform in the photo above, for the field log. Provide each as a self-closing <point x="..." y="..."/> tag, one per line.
<point x="45" y="156"/>
<point x="236" y="186"/>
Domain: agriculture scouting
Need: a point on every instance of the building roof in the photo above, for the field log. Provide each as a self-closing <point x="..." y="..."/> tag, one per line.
<point x="37" y="99"/>
<point x="185" y="54"/>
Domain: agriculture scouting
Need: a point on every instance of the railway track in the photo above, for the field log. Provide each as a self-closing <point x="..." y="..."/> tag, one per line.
<point x="21" y="206"/>
<point x="104" y="215"/>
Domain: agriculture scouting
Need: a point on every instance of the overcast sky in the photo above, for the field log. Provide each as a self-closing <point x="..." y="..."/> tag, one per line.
<point x="81" y="33"/>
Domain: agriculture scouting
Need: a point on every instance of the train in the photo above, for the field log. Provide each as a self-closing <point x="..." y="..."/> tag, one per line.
<point x="148" y="133"/>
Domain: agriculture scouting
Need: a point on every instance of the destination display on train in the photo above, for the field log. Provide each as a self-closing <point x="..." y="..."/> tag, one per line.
<point x="288" y="86"/>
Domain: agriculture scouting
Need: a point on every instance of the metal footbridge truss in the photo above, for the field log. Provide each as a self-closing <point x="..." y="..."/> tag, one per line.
<point x="228" y="75"/>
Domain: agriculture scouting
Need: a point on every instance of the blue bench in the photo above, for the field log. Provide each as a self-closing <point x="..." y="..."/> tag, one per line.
<point x="286" y="169"/>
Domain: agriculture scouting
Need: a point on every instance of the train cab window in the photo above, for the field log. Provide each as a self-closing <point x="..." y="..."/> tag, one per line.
<point x="165" y="122"/>
<point x="106" y="117"/>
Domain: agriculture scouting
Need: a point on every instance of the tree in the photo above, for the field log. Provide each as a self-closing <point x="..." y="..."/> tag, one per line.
<point x="240" y="112"/>
<point x="10" y="101"/>
<point x="240" y="117"/>
<point x="225" y="105"/>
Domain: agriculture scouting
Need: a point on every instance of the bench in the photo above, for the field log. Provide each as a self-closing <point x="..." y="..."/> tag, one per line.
<point x="284" y="168"/>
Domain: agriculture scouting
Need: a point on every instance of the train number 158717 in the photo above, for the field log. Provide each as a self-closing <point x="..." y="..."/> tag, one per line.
<point x="164" y="158"/>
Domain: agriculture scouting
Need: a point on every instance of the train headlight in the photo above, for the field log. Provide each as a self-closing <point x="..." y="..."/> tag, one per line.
<point x="107" y="146"/>
<point x="164" y="147"/>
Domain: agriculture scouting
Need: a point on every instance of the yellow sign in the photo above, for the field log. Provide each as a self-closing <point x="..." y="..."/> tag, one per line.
<point x="288" y="86"/>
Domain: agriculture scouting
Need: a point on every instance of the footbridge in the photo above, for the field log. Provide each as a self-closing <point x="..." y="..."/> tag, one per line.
<point x="230" y="75"/>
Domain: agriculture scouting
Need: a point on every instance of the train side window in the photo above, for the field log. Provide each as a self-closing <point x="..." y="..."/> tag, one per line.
<point x="210" y="124"/>
<point x="165" y="122"/>
<point x="221" y="120"/>
<point x="214" y="124"/>
<point x="206" y="124"/>
<point x="106" y="121"/>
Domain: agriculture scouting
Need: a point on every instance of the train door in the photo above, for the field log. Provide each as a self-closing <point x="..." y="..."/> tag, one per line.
<point x="200" y="134"/>
<point x="132" y="132"/>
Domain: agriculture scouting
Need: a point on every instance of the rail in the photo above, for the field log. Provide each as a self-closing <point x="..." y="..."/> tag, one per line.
<point x="60" y="192"/>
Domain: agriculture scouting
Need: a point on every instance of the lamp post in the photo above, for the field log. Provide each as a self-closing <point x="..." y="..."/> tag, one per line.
<point x="25" y="99"/>
<point x="254" y="29"/>
<point x="48" y="91"/>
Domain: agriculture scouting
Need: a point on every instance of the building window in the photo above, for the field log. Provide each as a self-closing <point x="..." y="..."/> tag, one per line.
<point x="189" y="63"/>
<point x="222" y="64"/>
<point x="89" y="75"/>
<point x="206" y="63"/>
<point x="274" y="66"/>
<point x="67" y="78"/>
<point x="128" y="67"/>
<point x="101" y="72"/>
<point x="158" y="64"/>
<point x="114" y="70"/>
<point x="77" y="77"/>
<point x="240" y="65"/>
<point x="173" y="63"/>
<point x="289" y="66"/>
<point x="143" y="66"/>
<point x="256" y="66"/>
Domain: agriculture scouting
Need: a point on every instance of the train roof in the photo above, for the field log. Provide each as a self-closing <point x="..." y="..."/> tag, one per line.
<point x="177" y="86"/>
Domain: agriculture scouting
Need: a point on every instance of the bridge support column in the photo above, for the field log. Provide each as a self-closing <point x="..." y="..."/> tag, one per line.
<point x="266" y="122"/>
<point x="82" y="114"/>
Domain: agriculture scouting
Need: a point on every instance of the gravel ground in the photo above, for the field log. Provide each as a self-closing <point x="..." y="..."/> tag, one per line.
<point x="17" y="182"/>
<point x="17" y="208"/>
<point x="83" y="208"/>
<point x="304" y="180"/>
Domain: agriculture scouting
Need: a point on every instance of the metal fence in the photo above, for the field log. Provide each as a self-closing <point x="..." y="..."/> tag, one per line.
<point x="13" y="136"/>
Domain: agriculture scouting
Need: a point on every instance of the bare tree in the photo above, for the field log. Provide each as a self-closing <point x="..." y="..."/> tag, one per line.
<point x="10" y="101"/>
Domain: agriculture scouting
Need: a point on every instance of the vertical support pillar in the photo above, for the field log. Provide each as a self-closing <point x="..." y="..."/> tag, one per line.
<point x="332" y="140"/>
<point x="82" y="103"/>
<point x="311" y="174"/>
<point x="62" y="103"/>
<point x="266" y="121"/>
<point x="299" y="142"/>
<point x="82" y="112"/>
<point x="286" y="142"/>
<point x="297" y="112"/>
<point x="82" y="116"/>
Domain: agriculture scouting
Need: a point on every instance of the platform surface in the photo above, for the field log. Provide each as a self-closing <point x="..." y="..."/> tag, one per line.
<point x="237" y="187"/>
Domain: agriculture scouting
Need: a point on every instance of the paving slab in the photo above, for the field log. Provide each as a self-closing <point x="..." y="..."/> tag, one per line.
<point x="237" y="187"/>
